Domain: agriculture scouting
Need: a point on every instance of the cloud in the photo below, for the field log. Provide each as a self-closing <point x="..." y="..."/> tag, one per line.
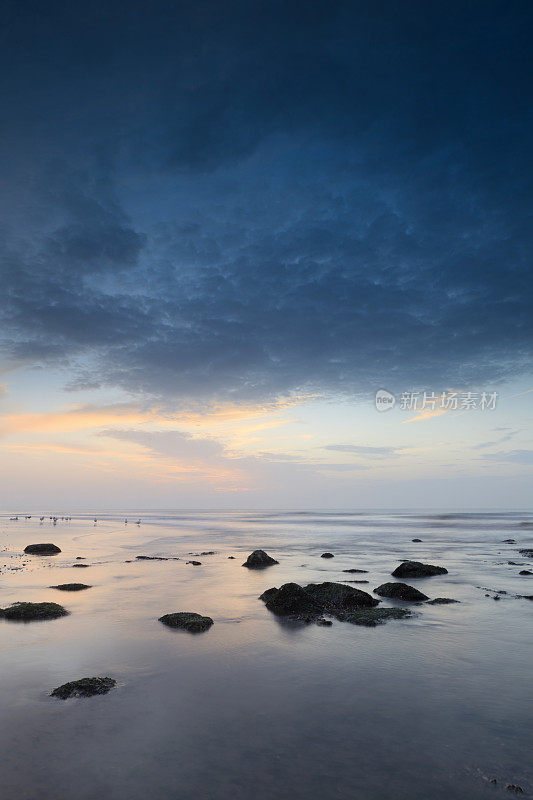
<point x="512" y="457"/>
<point x="247" y="202"/>
<point x="361" y="450"/>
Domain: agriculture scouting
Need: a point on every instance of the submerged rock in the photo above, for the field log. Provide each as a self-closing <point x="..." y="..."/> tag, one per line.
<point x="71" y="587"/>
<point x="509" y="541"/>
<point x="416" y="540"/>
<point x="400" y="591"/>
<point x="26" y="612"/>
<point x="259" y="559"/>
<point x="355" y="570"/>
<point x="85" y="687"/>
<point x="195" y="563"/>
<point x="370" y="617"/>
<point x="81" y="566"/>
<point x="441" y="601"/>
<point x="156" y="558"/>
<point x="187" y="620"/>
<point x="415" y="569"/>
<point x="327" y="555"/>
<point x="527" y="552"/>
<point x="42" y="549"/>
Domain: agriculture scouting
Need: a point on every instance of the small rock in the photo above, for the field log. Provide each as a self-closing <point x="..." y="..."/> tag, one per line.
<point x="259" y="559"/>
<point x="527" y="552"/>
<point x="327" y="555"/>
<point x="415" y="569"/>
<point x="400" y="591"/>
<point x="80" y="558"/>
<point x="85" y="687"/>
<point x="81" y="566"/>
<point x="525" y="572"/>
<point x="43" y="549"/>
<point x="416" y="540"/>
<point x="231" y="557"/>
<point x="355" y="570"/>
<point x="509" y="541"/>
<point x="513" y="787"/>
<point x="324" y="623"/>
<point x="187" y="620"/>
<point x="27" y="612"/>
<point x="443" y="601"/>
<point x="71" y="587"/>
<point x="195" y="563"/>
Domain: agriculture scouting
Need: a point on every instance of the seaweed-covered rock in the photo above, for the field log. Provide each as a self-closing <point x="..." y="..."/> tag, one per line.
<point x="337" y="596"/>
<point x="415" y="569"/>
<point x="27" y="612"/>
<point x="355" y="570"/>
<point x="187" y="620"/>
<point x="42" y="549"/>
<point x="327" y="555"/>
<point x="290" y="600"/>
<point x="85" y="687"/>
<point x="400" y="591"/>
<point x="370" y="617"/>
<point x="442" y="601"/>
<point x="259" y="559"/>
<point x="71" y="587"/>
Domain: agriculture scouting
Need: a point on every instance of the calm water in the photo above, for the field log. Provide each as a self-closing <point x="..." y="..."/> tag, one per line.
<point x="426" y="708"/>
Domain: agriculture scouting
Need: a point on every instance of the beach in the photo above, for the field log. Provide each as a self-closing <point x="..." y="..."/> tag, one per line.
<point x="434" y="706"/>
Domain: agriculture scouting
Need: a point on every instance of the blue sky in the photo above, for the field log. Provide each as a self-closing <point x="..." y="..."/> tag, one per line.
<point x="225" y="226"/>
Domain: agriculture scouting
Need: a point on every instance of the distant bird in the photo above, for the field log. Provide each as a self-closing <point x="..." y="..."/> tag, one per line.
<point x="95" y="520"/>
<point x="41" y="519"/>
<point x="138" y="522"/>
<point x="125" y="522"/>
<point x="14" y="519"/>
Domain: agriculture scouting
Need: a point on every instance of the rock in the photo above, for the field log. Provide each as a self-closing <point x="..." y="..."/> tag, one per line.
<point x="527" y="552"/>
<point x="81" y="566"/>
<point x="327" y="555"/>
<point x="370" y="617"/>
<point x="156" y="558"/>
<point x="43" y="549"/>
<point x="187" y="620"/>
<point x="526" y="596"/>
<point x="259" y="559"/>
<point x="337" y="596"/>
<point x="415" y="569"/>
<point x="514" y="563"/>
<point x="442" y="601"/>
<point x="195" y="563"/>
<point x="416" y="540"/>
<point x="400" y="591"/>
<point x="80" y="558"/>
<point x="231" y="557"/>
<point x="345" y="580"/>
<point x="205" y="553"/>
<point x="355" y="570"/>
<point x="26" y="612"/>
<point x="525" y="572"/>
<point x="513" y="787"/>
<point x="71" y="587"/>
<point x="290" y="599"/>
<point x="324" y="623"/>
<point x="509" y="541"/>
<point x="85" y="687"/>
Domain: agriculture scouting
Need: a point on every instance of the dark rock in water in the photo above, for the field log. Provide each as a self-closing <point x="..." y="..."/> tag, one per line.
<point x="290" y="599"/>
<point x="324" y="623"/>
<point x="85" y="687"/>
<point x="370" y="617"/>
<point x="496" y="597"/>
<point x="156" y="558"/>
<point x="509" y="541"/>
<point x="355" y="570"/>
<point x="26" y="612"/>
<point x="80" y="558"/>
<point x="400" y="591"/>
<point x="415" y="569"/>
<point x="337" y="596"/>
<point x="71" y="587"/>
<point x="525" y="572"/>
<point x="231" y="557"/>
<point x="195" y="563"/>
<point x="187" y="620"/>
<point x="526" y="596"/>
<point x="513" y="787"/>
<point x="345" y="580"/>
<point x="81" y="566"/>
<point x="416" y="540"/>
<point x="514" y="563"/>
<point x="259" y="559"/>
<point x="442" y="601"/>
<point x="205" y="553"/>
<point x="327" y="555"/>
<point x="527" y="552"/>
<point x="43" y="549"/>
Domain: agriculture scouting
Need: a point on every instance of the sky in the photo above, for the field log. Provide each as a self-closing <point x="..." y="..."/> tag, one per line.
<point x="225" y="226"/>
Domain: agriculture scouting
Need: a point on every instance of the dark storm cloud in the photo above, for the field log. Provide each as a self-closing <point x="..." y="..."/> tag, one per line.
<point x="250" y="199"/>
